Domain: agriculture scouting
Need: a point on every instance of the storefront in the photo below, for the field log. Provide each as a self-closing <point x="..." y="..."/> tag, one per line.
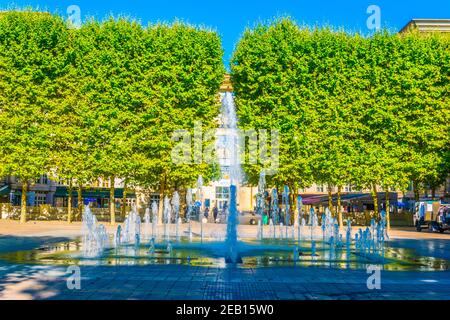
<point x="95" y="197"/>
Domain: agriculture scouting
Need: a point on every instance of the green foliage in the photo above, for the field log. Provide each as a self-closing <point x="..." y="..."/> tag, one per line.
<point x="33" y="67"/>
<point x="108" y="68"/>
<point x="270" y="72"/>
<point x="105" y="99"/>
<point x="182" y="72"/>
<point x="367" y="111"/>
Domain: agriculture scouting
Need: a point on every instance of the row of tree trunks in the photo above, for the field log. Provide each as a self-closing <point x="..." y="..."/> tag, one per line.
<point x="23" y="205"/>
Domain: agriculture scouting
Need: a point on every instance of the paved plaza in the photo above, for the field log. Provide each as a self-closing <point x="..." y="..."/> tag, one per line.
<point x="177" y="282"/>
<point x="173" y="282"/>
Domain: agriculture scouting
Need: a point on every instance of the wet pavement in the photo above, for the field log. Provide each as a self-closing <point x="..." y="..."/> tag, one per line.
<point x="204" y="283"/>
<point x="182" y="282"/>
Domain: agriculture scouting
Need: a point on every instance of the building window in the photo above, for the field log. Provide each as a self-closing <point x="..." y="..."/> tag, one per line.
<point x="43" y="179"/>
<point x="223" y="193"/>
<point x="319" y="188"/>
<point x="40" y="199"/>
<point x="154" y="197"/>
<point x="225" y="172"/>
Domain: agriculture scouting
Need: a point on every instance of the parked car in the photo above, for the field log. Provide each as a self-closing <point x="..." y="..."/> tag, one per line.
<point x="249" y="217"/>
<point x="442" y="222"/>
<point x="436" y="218"/>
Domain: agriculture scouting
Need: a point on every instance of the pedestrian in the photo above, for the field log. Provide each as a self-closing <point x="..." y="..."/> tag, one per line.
<point x="225" y="208"/>
<point x="206" y="213"/>
<point x="215" y="213"/>
<point x="186" y="212"/>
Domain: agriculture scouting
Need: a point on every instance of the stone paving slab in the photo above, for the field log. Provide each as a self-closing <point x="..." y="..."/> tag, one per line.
<point x="160" y="282"/>
<point x="22" y="281"/>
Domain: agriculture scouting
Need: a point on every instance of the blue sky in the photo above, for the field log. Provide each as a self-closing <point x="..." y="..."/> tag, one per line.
<point x="231" y="17"/>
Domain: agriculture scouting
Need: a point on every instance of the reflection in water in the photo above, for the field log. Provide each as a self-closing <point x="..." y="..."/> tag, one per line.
<point x="275" y="253"/>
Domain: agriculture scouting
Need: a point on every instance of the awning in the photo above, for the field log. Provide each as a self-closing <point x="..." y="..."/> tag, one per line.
<point x="310" y="199"/>
<point x="102" y="193"/>
<point x="5" y="190"/>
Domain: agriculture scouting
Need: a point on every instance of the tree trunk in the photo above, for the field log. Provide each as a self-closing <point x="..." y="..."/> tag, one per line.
<point x="23" y="205"/>
<point x="69" y="203"/>
<point x="388" y="216"/>
<point x="251" y="198"/>
<point x="330" y="200"/>
<point x="112" y="207"/>
<point x="375" y="199"/>
<point x="293" y="200"/>
<point x="416" y="191"/>
<point x="142" y="199"/>
<point x="162" y="186"/>
<point x="124" y="200"/>
<point x="339" y="209"/>
<point x="433" y="193"/>
<point x="80" y="201"/>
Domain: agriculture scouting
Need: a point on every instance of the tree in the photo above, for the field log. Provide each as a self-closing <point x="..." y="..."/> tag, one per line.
<point x="71" y="155"/>
<point x="422" y="83"/>
<point x="32" y="72"/>
<point x="271" y="79"/>
<point x="110" y="66"/>
<point x="183" y="72"/>
<point x="334" y="87"/>
<point x="370" y="111"/>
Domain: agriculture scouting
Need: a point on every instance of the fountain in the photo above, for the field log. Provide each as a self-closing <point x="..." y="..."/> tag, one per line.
<point x="327" y="245"/>
<point x="167" y="217"/>
<point x="118" y="236"/>
<point x="285" y="197"/>
<point x="94" y="238"/>
<point x="260" y="203"/>
<point x="147" y="222"/>
<point x="274" y="211"/>
<point x="132" y="227"/>
<point x="189" y="209"/>
<point x="176" y="205"/>
<point x="176" y="209"/>
<point x="152" y="246"/>
<point x="232" y="254"/>
<point x="299" y="219"/>
<point x="154" y="220"/>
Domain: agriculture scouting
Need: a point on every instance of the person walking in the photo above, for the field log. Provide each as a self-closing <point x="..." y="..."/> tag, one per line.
<point x="206" y="213"/>
<point x="225" y="208"/>
<point x="215" y="213"/>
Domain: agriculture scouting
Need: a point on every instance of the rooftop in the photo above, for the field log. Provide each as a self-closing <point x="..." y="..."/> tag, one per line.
<point x="427" y="25"/>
